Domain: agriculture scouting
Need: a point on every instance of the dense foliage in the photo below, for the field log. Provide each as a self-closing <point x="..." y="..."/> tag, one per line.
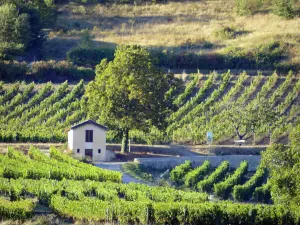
<point x="219" y="174"/>
<point x="17" y="210"/>
<point x="21" y="24"/>
<point x="224" y="188"/>
<point x="131" y="92"/>
<point x="144" y="212"/>
<point x="197" y="174"/>
<point x="282" y="8"/>
<point x="50" y="168"/>
<point x="179" y="172"/>
<point x="283" y="163"/>
<point x="244" y="192"/>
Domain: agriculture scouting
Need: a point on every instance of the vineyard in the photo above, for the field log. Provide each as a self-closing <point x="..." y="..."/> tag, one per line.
<point x="223" y="182"/>
<point x="79" y="191"/>
<point x="43" y="113"/>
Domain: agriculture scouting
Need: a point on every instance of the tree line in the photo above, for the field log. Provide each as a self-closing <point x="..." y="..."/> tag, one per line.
<point x="22" y="24"/>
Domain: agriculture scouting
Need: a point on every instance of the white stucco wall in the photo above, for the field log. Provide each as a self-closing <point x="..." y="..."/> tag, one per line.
<point x="76" y="140"/>
<point x="70" y="139"/>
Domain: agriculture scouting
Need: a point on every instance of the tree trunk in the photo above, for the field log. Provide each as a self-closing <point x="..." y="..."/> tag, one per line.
<point x="240" y="136"/>
<point x="125" y="138"/>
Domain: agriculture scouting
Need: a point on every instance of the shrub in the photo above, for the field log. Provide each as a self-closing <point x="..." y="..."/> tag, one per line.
<point x="12" y="70"/>
<point x="224" y="188"/>
<point x="263" y="56"/>
<point x="18" y="210"/>
<point x="48" y="70"/>
<point x="178" y="173"/>
<point x="172" y="213"/>
<point x="225" y="33"/>
<point x="247" y="7"/>
<point x="267" y="55"/>
<point x="283" y="8"/>
<point x="89" y="57"/>
<point x="263" y="193"/>
<point x="135" y="170"/>
<point x="244" y="192"/>
<point x="207" y="184"/>
<point x="194" y="176"/>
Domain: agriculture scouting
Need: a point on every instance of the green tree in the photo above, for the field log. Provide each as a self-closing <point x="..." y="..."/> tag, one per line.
<point x="14" y="31"/>
<point x="283" y="163"/>
<point x="245" y="119"/>
<point x="130" y="93"/>
<point x="45" y="8"/>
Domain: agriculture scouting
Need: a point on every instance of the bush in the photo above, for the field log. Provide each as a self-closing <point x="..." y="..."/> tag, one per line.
<point x="263" y="56"/>
<point x="12" y="70"/>
<point x="178" y="173"/>
<point x="224" y="213"/>
<point x="18" y="210"/>
<point x="135" y="170"/>
<point x="263" y="193"/>
<point x="89" y="57"/>
<point x="225" y="33"/>
<point x="194" y="176"/>
<point x="244" y="192"/>
<point x="48" y="70"/>
<point x="247" y="7"/>
<point x="283" y="8"/>
<point x="207" y="184"/>
<point x="224" y="188"/>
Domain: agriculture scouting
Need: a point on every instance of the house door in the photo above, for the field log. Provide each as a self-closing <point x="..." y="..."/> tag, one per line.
<point x="89" y="153"/>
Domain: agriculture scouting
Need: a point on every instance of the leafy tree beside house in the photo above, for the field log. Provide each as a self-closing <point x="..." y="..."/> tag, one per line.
<point x="130" y="92"/>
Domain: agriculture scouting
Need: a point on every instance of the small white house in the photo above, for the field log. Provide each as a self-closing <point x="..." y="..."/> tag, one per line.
<point x="88" y="139"/>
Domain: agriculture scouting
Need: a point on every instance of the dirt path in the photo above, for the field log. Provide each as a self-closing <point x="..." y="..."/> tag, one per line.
<point x="116" y="166"/>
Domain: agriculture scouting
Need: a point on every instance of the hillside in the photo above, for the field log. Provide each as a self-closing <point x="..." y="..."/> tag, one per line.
<point x="185" y="35"/>
<point x="67" y="39"/>
<point x="43" y="113"/>
<point x="68" y="191"/>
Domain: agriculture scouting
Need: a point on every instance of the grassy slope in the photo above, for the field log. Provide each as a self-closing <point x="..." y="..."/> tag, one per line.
<point x="187" y="26"/>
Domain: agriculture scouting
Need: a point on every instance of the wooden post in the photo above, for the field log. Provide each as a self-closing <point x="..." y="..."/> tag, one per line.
<point x="129" y="142"/>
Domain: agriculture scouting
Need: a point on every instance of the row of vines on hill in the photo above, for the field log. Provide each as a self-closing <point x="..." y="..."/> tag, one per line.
<point x="45" y="113"/>
<point x="91" y="200"/>
<point x="219" y="181"/>
<point x="280" y="93"/>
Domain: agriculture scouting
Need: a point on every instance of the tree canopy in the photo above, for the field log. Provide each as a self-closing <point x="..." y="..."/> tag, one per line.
<point x="130" y="92"/>
<point x="21" y="24"/>
<point x="245" y="119"/>
<point x="284" y="165"/>
<point x="14" y="30"/>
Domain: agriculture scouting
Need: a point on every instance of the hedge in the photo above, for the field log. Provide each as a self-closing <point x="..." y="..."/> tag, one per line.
<point x="51" y="70"/>
<point x="223" y="189"/>
<point x="207" y="184"/>
<point x="178" y="173"/>
<point x="244" y="192"/>
<point x="145" y="212"/>
<point x="194" y="176"/>
<point x="89" y="57"/>
<point x="18" y="210"/>
<point x="263" y="193"/>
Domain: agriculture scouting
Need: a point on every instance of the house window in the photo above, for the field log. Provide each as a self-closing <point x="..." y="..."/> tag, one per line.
<point x="89" y="136"/>
<point x="99" y="150"/>
<point x="78" y="150"/>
